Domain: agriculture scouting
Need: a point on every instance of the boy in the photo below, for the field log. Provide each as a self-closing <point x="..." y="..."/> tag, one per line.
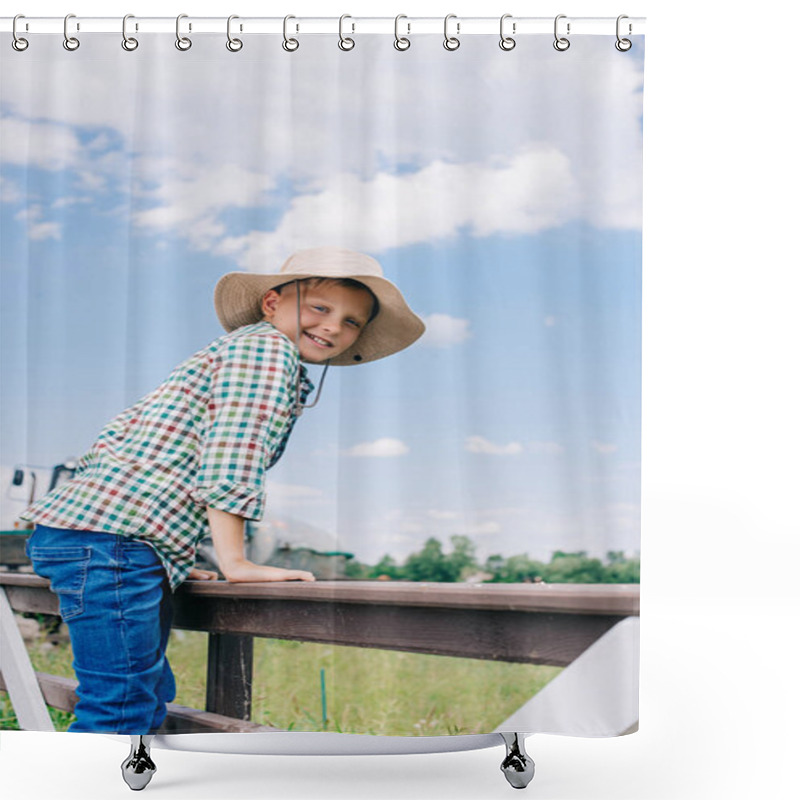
<point x="191" y="457"/>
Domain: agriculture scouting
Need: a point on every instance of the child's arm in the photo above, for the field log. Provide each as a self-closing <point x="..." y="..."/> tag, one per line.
<point x="227" y="533"/>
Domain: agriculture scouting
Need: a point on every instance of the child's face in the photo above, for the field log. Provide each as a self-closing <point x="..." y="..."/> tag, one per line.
<point x="331" y="317"/>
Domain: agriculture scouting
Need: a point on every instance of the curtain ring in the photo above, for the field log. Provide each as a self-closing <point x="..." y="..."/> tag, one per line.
<point x="346" y="43"/>
<point x="128" y="42"/>
<point x="183" y="43"/>
<point x="507" y="42"/>
<point x="561" y="43"/>
<point x="451" y="42"/>
<point x="234" y="45"/>
<point x="623" y="45"/>
<point x="401" y="43"/>
<point x="289" y="45"/>
<point x="70" y="42"/>
<point x="18" y="43"/>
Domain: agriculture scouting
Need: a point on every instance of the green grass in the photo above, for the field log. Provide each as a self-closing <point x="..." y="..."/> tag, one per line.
<point x="368" y="691"/>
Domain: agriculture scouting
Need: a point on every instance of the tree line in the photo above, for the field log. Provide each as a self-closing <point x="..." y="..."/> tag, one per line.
<point x="432" y="563"/>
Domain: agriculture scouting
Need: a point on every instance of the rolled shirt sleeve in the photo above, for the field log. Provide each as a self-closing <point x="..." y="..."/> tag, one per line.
<point x="204" y="437"/>
<point x="248" y="417"/>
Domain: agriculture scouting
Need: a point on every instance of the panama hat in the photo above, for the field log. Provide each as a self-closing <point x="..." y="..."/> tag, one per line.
<point x="238" y="295"/>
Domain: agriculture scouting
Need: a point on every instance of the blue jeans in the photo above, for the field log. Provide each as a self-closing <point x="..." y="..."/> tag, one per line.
<point x="114" y="596"/>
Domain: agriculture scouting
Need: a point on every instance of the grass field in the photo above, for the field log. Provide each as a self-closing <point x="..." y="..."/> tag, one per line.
<point x="367" y="691"/>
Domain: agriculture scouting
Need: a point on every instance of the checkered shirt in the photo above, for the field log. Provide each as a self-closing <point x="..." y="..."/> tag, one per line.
<point x="204" y="438"/>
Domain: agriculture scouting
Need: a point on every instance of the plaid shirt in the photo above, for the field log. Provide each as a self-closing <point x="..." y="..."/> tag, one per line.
<point x="204" y="437"/>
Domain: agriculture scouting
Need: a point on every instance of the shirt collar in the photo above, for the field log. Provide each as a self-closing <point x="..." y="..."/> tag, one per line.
<point x="306" y="386"/>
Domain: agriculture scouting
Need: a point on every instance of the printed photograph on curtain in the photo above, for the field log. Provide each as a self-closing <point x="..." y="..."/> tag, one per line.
<point x="443" y="536"/>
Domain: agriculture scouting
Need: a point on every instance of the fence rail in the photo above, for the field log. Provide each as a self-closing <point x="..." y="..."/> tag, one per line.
<point x="525" y="623"/>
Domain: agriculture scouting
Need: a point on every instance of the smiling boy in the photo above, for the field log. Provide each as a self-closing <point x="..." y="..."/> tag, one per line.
<point x="190" y="459"/>
<point x="332" y="315"/>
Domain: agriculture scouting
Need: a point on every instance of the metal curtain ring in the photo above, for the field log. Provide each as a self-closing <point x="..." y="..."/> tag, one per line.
<point x="346" y="43"/>
<point x="561" y="43"/>
<point x="18" y="43"/>
<point x="401" y="43"/>
<point x="234" y="45"/>
<point x="289" y="45"/>
<point x="128" y="42"/>
<point x="623" y="45"/>
<point x="70" y="42"/>
<point x="506" y="42"/>
<point x="451" y="42"/>
<point x="183" y="43"/>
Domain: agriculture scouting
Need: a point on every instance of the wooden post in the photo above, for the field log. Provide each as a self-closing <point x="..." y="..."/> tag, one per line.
<point x="229" y="680"/>
<point x="18" y="675"/>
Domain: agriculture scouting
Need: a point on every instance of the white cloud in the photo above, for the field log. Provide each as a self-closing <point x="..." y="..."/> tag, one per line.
<point x="546" y="448"/>
<point x="91" y="181"/>
<point x="477" y="444"/>
<point x="442" y="330"/>
<point x="10" y="192"/>
<point x="40" y="144"/>
<point x="227" y="133"/>
<point x="550" y="321"/>
<point x="530" y="191"/>
<point x="44" y="230"/>
<point x="604" y="447"/>
<point x="37" y="230"/>
<point x="380" y="448"/>
<point x="186" y="193"/>
<point x="66" y="202"/>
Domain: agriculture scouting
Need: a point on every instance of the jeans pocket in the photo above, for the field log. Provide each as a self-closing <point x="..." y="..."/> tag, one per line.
<point x="66" y="569"/>
<point x="138" y="554"/>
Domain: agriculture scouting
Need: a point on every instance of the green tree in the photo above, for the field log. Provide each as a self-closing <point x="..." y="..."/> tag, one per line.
<point x="386" y="566"/>
<point x="355" y="570"/>
<point x="625" y="571"/>
<point x="462" y="558"/>
<point x="514" y="569"/>
<point x="574" y="568"/>
<point x="430" y="564"/>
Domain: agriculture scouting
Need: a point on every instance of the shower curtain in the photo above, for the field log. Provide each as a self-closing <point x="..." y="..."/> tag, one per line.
<point x="470" y="505"/>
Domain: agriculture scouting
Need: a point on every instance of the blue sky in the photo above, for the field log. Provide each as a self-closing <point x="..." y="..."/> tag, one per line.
<point x="500" y="191"/>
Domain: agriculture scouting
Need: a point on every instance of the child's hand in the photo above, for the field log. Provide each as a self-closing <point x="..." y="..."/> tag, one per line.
<point x="248" y="572"/>
<point x="202" y="575"/>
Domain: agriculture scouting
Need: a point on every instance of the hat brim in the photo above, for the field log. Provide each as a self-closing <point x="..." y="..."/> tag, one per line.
<point x="238" y="296"/>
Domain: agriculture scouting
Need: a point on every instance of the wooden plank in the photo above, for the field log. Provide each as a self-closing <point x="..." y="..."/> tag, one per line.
<point x="494" y="635"/>
<point x="18" y="674"/>
<point x="570" y="598"/>
<point x="497" y="633"/>
<point x="229" y="676"/>
<point x="33" y="599"/>
<point x="12" y="548"/>
<point x="622" y="599"/>
<point x="61" y="693"/>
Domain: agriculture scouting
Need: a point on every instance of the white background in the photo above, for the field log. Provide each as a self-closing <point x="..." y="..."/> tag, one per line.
<point x="721" y="537"/>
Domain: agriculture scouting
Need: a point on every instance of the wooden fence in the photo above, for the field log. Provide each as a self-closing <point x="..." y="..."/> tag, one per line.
<point x="526" y="623"/>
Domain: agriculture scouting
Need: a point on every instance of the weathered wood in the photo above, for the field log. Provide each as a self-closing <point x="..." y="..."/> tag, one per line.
<point x="34" y="599"/>
<point x="61" y="693"/>
<point x="12" y="548"/>
<point x="554" y="639"/>
<point x="18" y="675"/>
<point x="527" y="623"/>
<point x="568" y="598"/>
<point x="229" y="676"/>
<point x="620" y="599"/>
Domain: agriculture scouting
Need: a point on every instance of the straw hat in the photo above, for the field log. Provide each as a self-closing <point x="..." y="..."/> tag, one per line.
<point x="238" y="295"/>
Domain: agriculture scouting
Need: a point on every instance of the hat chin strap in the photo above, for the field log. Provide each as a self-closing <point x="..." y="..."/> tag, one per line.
<point x="298" y="403"/>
